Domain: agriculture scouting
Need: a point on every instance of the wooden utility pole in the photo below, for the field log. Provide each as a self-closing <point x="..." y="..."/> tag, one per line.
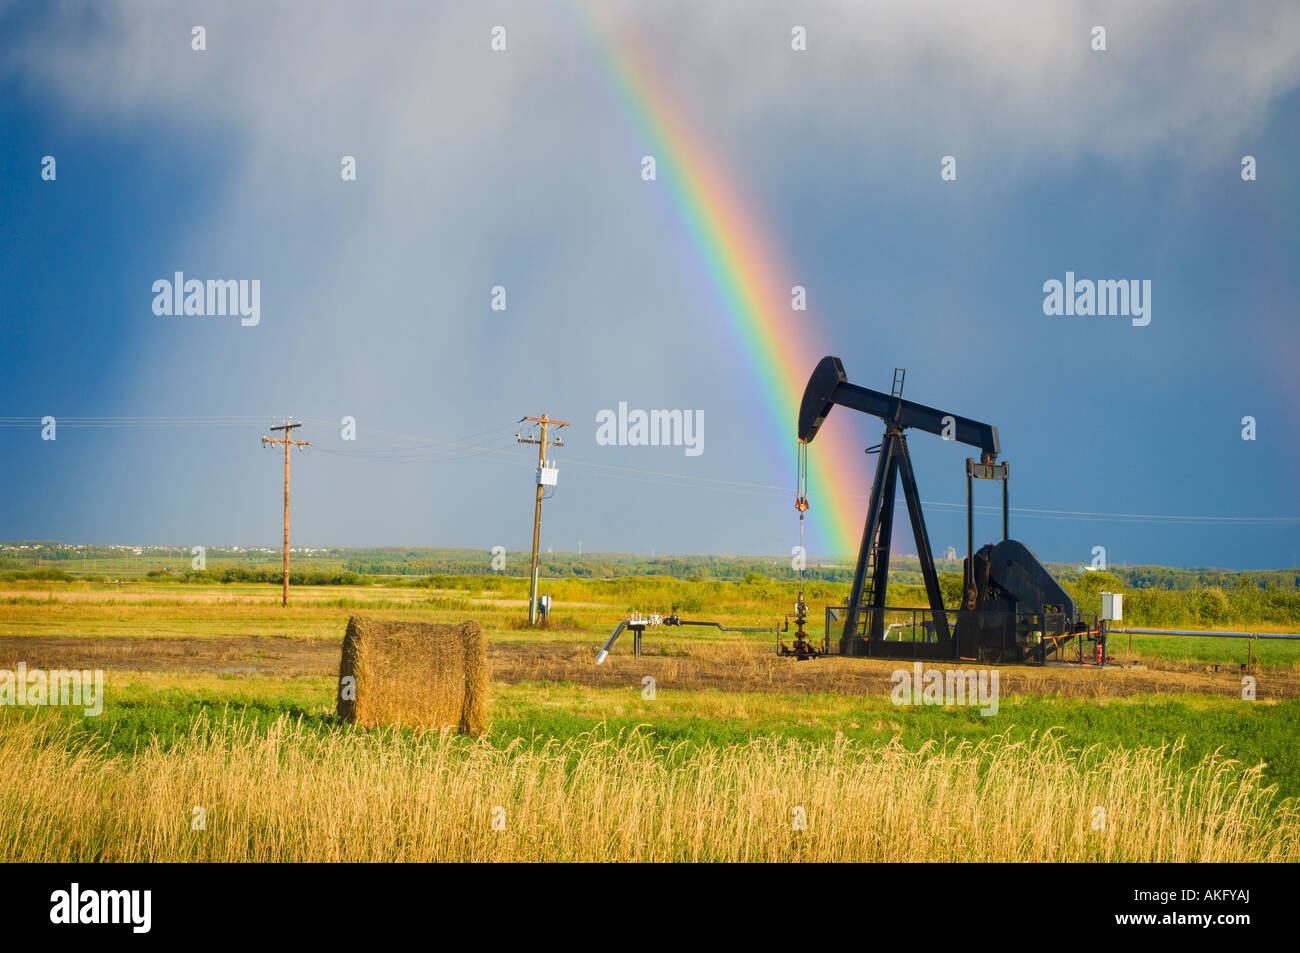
<point x="545" y="478"/>
<point x="288" y="444"/>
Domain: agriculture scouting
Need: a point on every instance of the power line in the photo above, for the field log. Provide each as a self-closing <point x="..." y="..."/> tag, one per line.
<point x="427" y="450"/>
<point x="135" y="422"/>
<point x="680" y="480"/>
<point x="424" y="456"/>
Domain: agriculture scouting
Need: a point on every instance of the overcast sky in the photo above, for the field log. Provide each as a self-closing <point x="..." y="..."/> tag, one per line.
<point x="522" y="169"/>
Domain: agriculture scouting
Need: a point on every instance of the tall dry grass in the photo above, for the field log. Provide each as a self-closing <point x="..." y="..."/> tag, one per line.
<point x="297" y="793"/>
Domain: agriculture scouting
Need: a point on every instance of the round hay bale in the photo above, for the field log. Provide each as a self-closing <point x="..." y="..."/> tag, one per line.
<point x="418" y="675"/>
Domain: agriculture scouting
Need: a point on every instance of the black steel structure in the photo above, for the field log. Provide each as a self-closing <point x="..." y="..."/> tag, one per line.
<point x="829" y="386"/>
<point x="1012" y="610"/>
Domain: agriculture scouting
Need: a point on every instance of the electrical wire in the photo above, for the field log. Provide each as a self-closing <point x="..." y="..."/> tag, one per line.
<point x="134" y="422"/>
<point x="425" y="450"/>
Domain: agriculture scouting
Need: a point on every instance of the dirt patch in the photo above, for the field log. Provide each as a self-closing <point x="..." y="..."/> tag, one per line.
<point x="748" y="668"/>
<point x="270" y="655"/>
<point x="732" y="668"/>
<point x="550" y="625"/>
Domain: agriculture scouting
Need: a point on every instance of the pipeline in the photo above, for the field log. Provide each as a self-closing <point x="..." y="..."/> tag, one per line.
<point x="641" y="623"/>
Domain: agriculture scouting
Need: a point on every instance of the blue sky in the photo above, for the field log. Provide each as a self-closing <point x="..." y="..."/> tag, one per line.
<point x="478" y="169"/>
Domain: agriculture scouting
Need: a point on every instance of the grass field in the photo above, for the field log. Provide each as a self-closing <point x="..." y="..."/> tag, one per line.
<point x="217" y="698"/>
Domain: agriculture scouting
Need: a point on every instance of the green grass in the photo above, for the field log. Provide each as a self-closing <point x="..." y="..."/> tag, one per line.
<point x="1266" y="652"/>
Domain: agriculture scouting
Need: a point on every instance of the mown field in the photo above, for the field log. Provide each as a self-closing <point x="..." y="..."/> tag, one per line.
<point x="217" y="698"/>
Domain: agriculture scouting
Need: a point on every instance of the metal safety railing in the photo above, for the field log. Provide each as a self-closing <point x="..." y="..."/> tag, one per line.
<point x="1250" y="637"/>
<point x="963" y="635"/>
<point x="905" y="631"/>
<point x="918" y="633"/>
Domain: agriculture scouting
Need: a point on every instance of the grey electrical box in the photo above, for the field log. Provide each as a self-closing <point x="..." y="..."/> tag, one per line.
<point x="1112" y="606"/>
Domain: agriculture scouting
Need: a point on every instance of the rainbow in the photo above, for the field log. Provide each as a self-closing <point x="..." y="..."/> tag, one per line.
<point x="745" y="272"/>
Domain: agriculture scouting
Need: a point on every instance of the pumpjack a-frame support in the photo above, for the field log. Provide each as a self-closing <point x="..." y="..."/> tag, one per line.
<point x="829" y="386"/>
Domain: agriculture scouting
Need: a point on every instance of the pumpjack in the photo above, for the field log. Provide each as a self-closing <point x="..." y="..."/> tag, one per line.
<point x="1012" y="610"/>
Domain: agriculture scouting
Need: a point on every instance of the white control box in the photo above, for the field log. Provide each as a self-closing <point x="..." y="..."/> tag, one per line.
<point x="1112" y="606"/>
<point x="547" y="476"/>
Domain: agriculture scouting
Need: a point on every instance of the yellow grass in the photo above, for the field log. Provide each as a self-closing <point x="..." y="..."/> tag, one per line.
<point x="293" y="793"/>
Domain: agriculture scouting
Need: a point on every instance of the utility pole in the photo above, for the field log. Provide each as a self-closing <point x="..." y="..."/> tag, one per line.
<point x="546" y="476"/>
<point x="288" y="442"/>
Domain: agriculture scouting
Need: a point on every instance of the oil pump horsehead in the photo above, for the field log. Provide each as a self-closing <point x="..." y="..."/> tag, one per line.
<point x="1013" y="609"/>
